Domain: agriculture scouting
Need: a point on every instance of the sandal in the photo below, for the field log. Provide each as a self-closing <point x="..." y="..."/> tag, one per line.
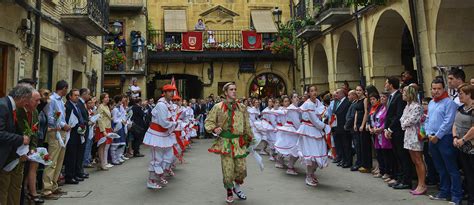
<point x="163" y="181"/>
<point x="240" y="194"/>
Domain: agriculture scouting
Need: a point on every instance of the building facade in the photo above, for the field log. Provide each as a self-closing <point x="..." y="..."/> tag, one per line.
<point x="69" y="46"/>
<point x="127" y="17"/>
<point x="389" y="41"/>
<point x="199" y="74"/>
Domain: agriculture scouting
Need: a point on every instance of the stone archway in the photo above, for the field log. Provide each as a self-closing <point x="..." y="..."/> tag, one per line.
<point x="392" y="50"/>
<point x="319" y="71"/>
<point x="454" y="34"/>
<point x="347" y="65"/>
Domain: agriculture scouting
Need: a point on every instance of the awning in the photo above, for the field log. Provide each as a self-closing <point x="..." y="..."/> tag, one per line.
<point x="175" y="21"/>
<point x="263" y="21"/>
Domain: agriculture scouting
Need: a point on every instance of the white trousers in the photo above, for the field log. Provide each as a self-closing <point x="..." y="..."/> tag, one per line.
<point x="161" y="159"/>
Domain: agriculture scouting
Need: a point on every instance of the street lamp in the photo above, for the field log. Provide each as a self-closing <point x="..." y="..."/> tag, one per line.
<point x="116" y="27"/>
<point x="277" y="16"/>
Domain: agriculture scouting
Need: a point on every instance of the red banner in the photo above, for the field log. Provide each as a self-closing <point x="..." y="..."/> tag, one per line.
<point x="251" y="41"/>
<point x="192" y="41"/>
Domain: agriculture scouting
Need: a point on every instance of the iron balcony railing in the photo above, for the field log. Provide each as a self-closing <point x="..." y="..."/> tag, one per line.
<point x="301" y="9"/>
<point x="226" y="40"/>
<point x="97" y="10"/>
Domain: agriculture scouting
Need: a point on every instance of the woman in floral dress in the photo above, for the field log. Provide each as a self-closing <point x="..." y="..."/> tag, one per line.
<point x="410" y="122"/>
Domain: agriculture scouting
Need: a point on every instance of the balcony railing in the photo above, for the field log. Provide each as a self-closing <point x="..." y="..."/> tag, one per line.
<point x="227" y="44"/>
<point x="86" y="17"/>
<point x="126" y="4"/>
<point x="332" y="12"/>
<point x="226" y="40"/>
<point x="301" y="9"/>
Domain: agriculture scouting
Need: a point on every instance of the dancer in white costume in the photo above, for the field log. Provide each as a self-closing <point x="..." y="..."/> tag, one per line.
<point x="266" y="127"/>
<point x="254" y="112"/>
<point x="287" y="137"/>
<point x="312" y="130"/>
<point x="280" y="119"/>
<point x="161" y="139"/>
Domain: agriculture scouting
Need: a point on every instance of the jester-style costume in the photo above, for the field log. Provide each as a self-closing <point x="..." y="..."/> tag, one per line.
<point x="232" y="142"/>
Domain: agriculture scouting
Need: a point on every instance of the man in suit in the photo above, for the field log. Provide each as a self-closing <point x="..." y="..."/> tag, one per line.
<point x="139" y="126"/>
<point x="394" y="132"/>
<point x="341" y="136"/>
<point x="10" y="139"/>
<point x="57" y="125"/>
<point x="73" y="146"/>
<point x="84" y="96"/>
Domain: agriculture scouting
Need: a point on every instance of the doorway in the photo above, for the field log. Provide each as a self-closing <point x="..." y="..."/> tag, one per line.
<point x="45" y="79"/>
<point x="189" y="86"/>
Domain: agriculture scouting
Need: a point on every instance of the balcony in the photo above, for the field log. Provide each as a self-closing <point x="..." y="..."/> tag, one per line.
<point x="331" y="12"/>
<point x="166" y="47"/>
<point x="86" y="17"/>
<point x="119" y="61"/>
<point x="126" y="5"/>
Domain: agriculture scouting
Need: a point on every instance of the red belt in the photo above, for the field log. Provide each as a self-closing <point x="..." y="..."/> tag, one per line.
<point x="279" y="124"/>
<point x="157" y="127"/>
<point x="289" y="122"/>
<point x="307" y="121"/>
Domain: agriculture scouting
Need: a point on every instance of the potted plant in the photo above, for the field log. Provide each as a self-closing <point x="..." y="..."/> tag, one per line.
<point x="114" y="59"/>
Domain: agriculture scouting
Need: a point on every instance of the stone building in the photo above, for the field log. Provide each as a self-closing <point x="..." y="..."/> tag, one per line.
<point x="200" y="74"/>
<point x="389" y="41"/>
<point x="126" y="18"/>
<point x="69" y="47"/>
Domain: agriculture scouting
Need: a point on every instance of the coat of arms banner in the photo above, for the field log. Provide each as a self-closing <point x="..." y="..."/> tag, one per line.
<point x="192" y="41"/>
<point x="251" y="41"/>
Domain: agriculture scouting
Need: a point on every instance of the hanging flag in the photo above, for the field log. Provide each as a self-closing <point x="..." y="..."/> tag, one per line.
<point x="192" y="41"/>
<point x="251" y="40"/>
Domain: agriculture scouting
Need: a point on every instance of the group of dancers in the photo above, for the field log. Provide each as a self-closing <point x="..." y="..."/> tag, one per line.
<point x="169" y="136"/>
<point x="285" y="129"/>
<point x="292" y="132"/>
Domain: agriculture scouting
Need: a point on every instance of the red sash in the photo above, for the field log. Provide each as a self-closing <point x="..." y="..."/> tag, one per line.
<point x="157" y="127"/>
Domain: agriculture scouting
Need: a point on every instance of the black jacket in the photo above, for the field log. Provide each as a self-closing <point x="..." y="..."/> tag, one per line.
<point x="394" y="113"/>
<point x="10" y="139"/>
<point x="74" y="138"/>
<point x="138" y="117"/>
<point x="340" y="113"/>
<point x="350" y="116"/>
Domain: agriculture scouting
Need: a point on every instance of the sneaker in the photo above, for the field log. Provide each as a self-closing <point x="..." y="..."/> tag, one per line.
<point x="438" y="197"/>
<point x="121" y="160"/>
<point x="239" y="193"/>
<point x="279" y="165"/>
<point x="291" y="171"/>
<point x="310" y="182"/>
<point x="271" y="158"/>
<point x="151" y="184"/>
<point x="109" y="165"/>
<point x="229" y="199"/>
<point x="124" y="157"/>
<point x="385" y="176"/>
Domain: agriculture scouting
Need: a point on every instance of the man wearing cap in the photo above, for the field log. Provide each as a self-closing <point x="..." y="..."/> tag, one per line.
<point x="161" y="139"/>
<point x="229" y="120"/>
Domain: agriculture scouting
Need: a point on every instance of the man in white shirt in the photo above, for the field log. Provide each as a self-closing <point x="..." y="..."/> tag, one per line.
<point x="456" y="77"/>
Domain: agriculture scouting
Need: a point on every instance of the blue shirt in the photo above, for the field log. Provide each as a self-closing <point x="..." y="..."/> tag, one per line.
<point x="329" y="110"/>
<point x="56" y="105"/>
<point x="440" y="119"/>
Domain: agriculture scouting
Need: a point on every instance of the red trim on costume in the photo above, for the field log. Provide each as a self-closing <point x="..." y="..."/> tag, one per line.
<point x="279" y="124"/>
<point x="290" y="122"/>
<point x="216" y="151"/>
<point x="157" y="127"/>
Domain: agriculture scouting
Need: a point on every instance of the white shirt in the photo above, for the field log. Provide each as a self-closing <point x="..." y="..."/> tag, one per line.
<point x="13" y="103"/>
<point x="134" y="88"/>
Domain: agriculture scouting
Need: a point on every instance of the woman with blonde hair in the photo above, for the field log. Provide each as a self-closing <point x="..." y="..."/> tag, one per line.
<point x="411" y="123"/>
<point x="103" y="129"/>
